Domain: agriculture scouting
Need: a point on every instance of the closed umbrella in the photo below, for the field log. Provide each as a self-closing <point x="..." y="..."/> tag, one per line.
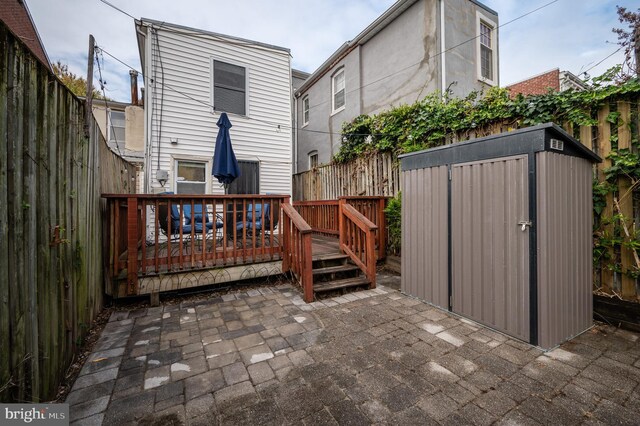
<point x="225" y="165"/>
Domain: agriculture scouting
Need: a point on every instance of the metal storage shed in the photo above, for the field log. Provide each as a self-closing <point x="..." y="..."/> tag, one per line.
<point x="499" y="230"/>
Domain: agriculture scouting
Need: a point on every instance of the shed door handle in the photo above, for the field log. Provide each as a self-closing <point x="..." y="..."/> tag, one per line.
<point x="523" y="224"/>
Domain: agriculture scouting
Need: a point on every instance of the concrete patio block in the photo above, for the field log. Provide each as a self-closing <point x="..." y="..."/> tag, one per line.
<point x="248" y="341"/>
<point x="256" y="354"/>
<point x="233" y="392"/>
<point x="203" y="383"/>
<point x="156" y="377"/>
<point x="219" y="361"/>
<point x="235" y="373"/>
<point x="88" y="408"/>
<point x="95" y="378"/>
<point x="187" y="368"/>
<point x="260" y="372"/>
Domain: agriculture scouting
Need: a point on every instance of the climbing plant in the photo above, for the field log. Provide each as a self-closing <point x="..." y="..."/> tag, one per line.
<point x="437" y="120"/>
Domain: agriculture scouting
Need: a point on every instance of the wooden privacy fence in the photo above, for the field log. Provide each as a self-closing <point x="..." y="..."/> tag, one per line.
<point x="324" y="217"/>
<point x="51" y="174"/>
<point x="371" y="175"/>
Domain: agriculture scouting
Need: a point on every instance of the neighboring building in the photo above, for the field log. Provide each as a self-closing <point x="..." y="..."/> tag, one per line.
<point x="415" y="48"/>
<point x="554" y="80"/>
<point x="191" y="76"/>
<point x="15" y="14"/>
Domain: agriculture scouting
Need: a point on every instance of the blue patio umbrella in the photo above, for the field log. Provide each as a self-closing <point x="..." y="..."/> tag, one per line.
<point x="225" y="165"/>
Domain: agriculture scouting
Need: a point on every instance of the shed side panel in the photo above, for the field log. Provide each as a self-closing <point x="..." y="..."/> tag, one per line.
<point x="564" y="228"/>
<point x="424" y="235"/>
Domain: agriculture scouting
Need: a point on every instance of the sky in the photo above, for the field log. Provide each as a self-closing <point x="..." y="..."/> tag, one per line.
<point x="573" y="35"/>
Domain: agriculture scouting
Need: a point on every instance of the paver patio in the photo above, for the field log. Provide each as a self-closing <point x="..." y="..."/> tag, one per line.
<point x="263" y="356"/>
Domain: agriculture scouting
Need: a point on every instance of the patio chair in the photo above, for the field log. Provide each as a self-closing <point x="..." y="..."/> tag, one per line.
<point x="255" y="229"/>
<point x="176" y="226"/>
<point x="198" y="218"/>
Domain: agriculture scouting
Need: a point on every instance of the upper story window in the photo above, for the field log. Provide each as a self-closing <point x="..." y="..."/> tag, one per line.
<point x="313" y="159"/>
<point x="305" y="110"/>
<point x="486" y="50"/>
<point x="191" y="177"/>
<point x="115" y="129"/>
<point x="229" y="88"/>
<point x="338" y="90"/>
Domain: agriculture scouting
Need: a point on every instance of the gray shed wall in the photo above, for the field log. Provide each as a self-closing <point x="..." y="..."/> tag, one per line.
<point x="424" y="235"/>
<point x="565" y="206"/>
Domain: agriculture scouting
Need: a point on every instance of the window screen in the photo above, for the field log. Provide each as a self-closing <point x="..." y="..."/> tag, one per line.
<point x="229" y="88"/>
<point x="305" y="109"/>
<point x="191" y="177"/>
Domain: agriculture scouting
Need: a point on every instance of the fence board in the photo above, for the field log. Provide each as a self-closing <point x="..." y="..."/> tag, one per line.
<point x="50" y="179"/>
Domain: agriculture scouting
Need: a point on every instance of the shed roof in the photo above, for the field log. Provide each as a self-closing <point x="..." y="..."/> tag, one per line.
<point x="523" y="141"/>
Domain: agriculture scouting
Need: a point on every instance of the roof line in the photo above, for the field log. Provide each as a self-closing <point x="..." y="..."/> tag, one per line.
<point x="213" y="34"/>
<point x="35" y="29"/>
<point x="533" y="76"/>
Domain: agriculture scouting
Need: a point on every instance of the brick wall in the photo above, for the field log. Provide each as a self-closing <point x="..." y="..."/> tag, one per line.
<point x="537" y="85"/>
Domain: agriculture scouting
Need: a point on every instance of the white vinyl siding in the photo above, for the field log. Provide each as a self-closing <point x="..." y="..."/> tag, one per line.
<point x="187" y="62"/>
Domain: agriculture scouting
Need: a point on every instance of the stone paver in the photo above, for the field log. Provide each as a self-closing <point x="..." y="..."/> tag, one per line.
<point x="263" y="356"/>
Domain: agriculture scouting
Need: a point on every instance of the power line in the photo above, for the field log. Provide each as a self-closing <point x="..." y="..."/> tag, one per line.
<point x="117" y="8"/>
<point x="106" y="102"/>
<point x="601" y="61"/>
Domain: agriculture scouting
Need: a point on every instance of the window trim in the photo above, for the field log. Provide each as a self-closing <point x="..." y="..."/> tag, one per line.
<point x="482" y="19"/>
<point x="192" y="159"/>
<point x="333" y="90"/>
<point x="313" y="153"/>
<point x="305" y="119"/>
<point x="247" y="71"/>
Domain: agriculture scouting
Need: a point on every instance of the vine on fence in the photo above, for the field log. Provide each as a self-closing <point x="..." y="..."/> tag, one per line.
<point x="438" y="120"/>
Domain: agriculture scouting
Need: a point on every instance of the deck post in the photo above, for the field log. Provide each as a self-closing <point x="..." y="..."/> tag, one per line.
<point x="307" y="270"/>
<point x="132" y="245"/>
<point x="286" y="241"/>
<point x="341" y="224"/>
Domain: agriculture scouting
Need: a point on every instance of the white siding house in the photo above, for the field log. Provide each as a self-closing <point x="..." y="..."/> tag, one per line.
<point x="191" y="76"/>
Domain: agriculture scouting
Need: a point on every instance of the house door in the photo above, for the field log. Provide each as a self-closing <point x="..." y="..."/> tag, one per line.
<point x="249" y="180"/>
<point x="489" y="246"/>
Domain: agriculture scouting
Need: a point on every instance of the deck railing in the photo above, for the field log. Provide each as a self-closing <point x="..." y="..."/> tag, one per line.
<point x="298" y="256"/>
<point x="357" y="239"/>
<point x="150" y="234"/>
<point x="323" y="216"/>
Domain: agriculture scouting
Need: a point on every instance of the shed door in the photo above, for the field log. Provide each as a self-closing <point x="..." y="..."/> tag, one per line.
<point x="490" y="251"/>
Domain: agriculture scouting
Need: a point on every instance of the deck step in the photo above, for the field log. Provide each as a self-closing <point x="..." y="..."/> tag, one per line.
<point x="330" y="256"/>
<point x="338" y="284"/>
<point x="335" y="269"/>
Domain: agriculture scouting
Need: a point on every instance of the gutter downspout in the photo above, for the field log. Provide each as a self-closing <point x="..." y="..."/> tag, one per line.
<point x="443" y="75"/>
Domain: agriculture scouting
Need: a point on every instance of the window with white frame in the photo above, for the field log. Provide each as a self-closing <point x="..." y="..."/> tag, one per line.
<point x="305" y="110"/>
<point x="486" y="50"/>
<point x="191" y="177"/>
<point x="313" y="159"/>
<point x="115" y="129"/>
<point x="229" y="88"/>
<point x="338" y="90"/>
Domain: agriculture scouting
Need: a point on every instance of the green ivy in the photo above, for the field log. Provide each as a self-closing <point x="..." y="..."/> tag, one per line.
<point x="393" y="214"/>
<point x="434" y="120"/>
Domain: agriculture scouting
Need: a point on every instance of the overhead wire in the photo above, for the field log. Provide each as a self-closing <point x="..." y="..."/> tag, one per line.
<point x="107" y="111"/>
<point x="284" y="126"/>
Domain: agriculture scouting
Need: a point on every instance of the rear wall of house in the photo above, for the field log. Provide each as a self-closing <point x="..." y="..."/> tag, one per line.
<point x="183" y="123"/>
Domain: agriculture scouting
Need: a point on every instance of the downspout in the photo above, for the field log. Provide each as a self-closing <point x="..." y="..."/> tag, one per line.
<point x="443" y="68"/>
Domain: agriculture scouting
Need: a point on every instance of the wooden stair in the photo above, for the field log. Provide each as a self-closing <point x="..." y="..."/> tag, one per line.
<point x="336" y="272"/>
